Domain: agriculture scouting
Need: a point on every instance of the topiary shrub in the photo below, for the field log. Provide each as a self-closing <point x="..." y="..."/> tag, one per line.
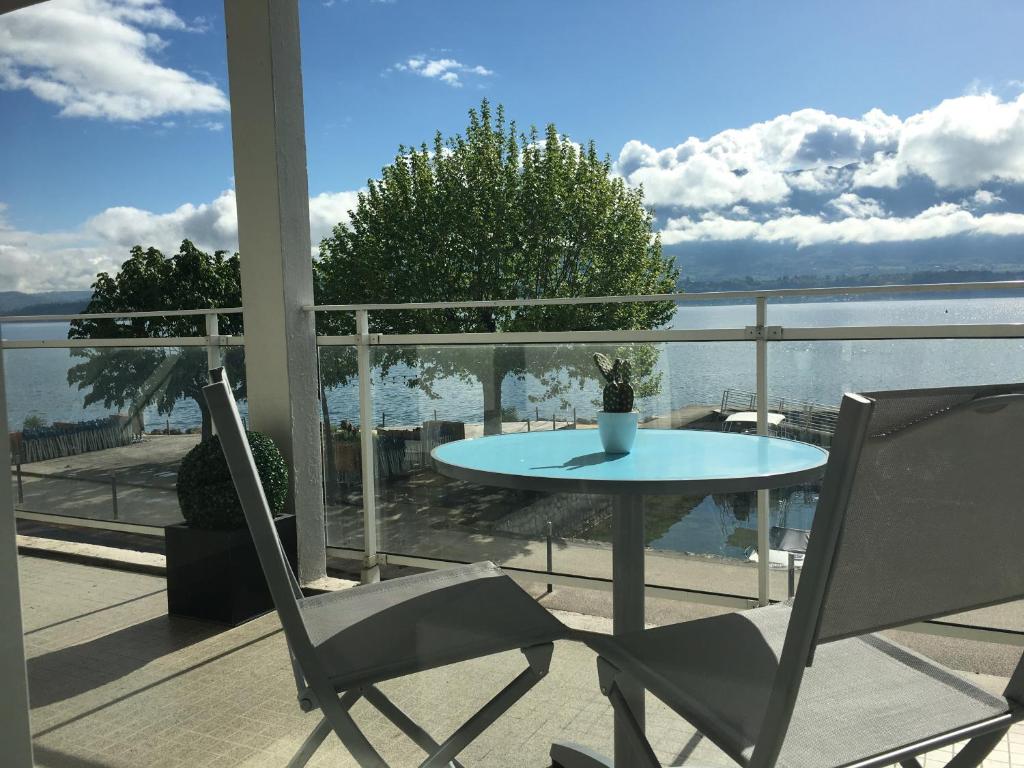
<point x="206" y="493"/>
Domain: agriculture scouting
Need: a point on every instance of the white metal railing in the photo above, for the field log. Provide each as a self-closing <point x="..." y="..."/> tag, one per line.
<point x="760" y="332"/>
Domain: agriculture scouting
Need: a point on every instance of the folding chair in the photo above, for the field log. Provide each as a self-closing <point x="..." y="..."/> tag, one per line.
<point x="921" y="515"/>
<point x="342" y="644"/>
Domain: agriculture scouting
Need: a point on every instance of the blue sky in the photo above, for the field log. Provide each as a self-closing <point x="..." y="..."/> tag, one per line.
<point x="640" y="78"/>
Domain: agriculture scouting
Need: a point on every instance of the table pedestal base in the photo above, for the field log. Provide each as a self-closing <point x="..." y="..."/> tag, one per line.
<point x="570" y="755"/>
<point x="627" y="616"/>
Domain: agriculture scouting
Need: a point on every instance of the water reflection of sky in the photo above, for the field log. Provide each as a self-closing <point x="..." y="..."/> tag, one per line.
<point x="727" y="525"/>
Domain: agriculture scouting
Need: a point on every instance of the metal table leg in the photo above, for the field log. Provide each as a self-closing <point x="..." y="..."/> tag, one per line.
<point x="628" y="602"/>
<point x="627" y="616"/>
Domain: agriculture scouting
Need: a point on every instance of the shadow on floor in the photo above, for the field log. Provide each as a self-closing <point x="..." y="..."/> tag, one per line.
<point x="72" y="671"/>
<point x="44" y="757"/>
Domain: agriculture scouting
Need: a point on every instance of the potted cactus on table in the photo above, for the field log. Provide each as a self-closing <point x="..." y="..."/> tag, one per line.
<point x="617" y="423"/>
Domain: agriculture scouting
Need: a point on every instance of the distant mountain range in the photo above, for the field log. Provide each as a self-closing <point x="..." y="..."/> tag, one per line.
<point x="766" y="262"/>
<point x="46" y="303"/>
<point x="742" y="274"/>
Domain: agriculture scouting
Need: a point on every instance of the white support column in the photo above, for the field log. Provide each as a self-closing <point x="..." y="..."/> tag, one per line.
<point x="763" y="497"/>
<point x="272" y="194"/>
<point x="15" y="732"/>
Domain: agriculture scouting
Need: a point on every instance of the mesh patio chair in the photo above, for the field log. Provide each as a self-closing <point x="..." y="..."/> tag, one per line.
<point x="921" y="515"/>
<point x="342" y="644"/>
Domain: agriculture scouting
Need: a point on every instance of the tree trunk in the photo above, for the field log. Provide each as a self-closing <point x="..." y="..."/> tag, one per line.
<point x="492" y="381"/>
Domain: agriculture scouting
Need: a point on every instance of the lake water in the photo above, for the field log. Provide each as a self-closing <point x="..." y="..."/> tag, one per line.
<point x="691" y="374"/>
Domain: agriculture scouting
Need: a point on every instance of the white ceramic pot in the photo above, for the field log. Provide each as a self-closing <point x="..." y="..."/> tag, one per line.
<point x="618" y="430"/>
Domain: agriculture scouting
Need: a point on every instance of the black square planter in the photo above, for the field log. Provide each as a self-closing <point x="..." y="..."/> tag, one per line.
<point x="216" y="575"/>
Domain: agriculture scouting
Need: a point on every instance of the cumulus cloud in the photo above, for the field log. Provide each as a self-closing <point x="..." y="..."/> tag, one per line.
<point x="853" y="206"/>
<point x="943" y="220"/>
<point x="95" y="59"/>
<point x="449" y="71"/>
<point x="984" y="198"/>
<point x="965" y="141"/>
<point x="762" y="163"/>
<point x="35" y="261"/>
<point x="813" y="177"/>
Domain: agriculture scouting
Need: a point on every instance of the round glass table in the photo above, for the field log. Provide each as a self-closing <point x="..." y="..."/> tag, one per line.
<point x="683" y="462"/>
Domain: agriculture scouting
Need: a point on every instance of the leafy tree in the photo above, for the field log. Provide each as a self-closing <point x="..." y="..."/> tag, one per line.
<point x="497" y="214"/>
<point x="160" y="376"/>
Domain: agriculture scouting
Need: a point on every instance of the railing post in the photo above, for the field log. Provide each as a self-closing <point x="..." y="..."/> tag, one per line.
<point x="17" y="470"/>
<point x="763" y="497"/>
<point x="214" y="358"/>
<point x="551" y="559"/>
<point x="371" y="566"/>
<point x="113" y="492"/>
<point x="15" y="729"/>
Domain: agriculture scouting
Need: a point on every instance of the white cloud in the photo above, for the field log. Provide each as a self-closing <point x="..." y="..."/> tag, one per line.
<point x="839" y="178"/>
<point x="983" y="198"/>
<point x="95" y="58"/>
<point x="853" y="206"/>
<point x="943" y="220"/>
<point x="34" y="261"/>
<point x="328" y="209"/>
<point x="450" y="71"/>
<point x="965" y="141"/>
<point x="761" y="163"/>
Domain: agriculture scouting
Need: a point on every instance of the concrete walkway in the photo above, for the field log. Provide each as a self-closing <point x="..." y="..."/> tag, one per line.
<point x="116" y="683"/>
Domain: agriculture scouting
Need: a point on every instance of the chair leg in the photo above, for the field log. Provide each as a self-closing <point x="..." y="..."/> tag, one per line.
<point x="569" y="755"/>
<point x="977" y="749"/>
<point x="640" y="743"/>
<point x="404" y="723"/>
<point x="336" y="712"/>
<point x="311" y="744"/>
<point x="539" y="659"/>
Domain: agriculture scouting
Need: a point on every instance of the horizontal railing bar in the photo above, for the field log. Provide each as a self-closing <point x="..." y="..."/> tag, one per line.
<point x="337" y="341"/>
<point x="966" y="632"/>
<point x="120" y="315"/>
<point x="779" y="333"/>
<point x="783" y="333"/>
<point x="182" y="341"/>
<point x="940" y="628"/>
<point x="882" y="332"/>
<point x="564" y="579"/>
<point x="562" y="337"/>
<point x="999" y="285"/>
<point x="105" y="481"/>
<point x="89" y="522"/>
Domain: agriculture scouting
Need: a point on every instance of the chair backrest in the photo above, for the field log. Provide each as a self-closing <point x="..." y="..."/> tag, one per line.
<point x="284" y="587"/>
<point x="934" y="521"/>
<point x="921" y="515"/>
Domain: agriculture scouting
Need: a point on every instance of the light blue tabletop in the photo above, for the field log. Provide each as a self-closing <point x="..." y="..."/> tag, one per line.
<point x="662" y="462"/>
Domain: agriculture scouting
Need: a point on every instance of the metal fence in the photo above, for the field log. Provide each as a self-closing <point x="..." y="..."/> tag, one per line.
<point x="760" y="332"/>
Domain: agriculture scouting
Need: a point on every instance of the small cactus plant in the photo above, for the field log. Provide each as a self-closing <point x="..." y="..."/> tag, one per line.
<point x="618" y="393"/>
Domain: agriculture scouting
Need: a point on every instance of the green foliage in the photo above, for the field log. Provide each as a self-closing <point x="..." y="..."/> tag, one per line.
<point x="33" y="421"/>
<point x="495" y="214"/>
<point x="618" y="393"/>
<point x="160" y="376"/>
<point x="347" y="432"/>
<point x="206" y="493"/>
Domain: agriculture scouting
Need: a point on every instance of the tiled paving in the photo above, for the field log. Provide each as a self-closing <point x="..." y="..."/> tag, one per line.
<point x="116" y="683"/>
